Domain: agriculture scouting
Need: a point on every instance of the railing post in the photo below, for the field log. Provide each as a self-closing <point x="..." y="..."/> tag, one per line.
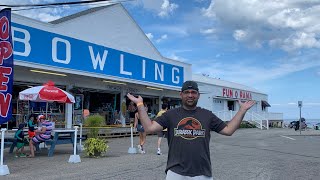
<point x="4" y="170"/>
<point x="131" y="149"/>
<point x="75" y="158"/>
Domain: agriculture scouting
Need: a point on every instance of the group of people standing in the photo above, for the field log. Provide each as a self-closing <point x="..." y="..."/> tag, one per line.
<point x="35" y="136"/>
<point x="135" y="120"/>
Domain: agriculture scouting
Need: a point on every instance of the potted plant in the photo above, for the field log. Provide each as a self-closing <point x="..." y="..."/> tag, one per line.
<point x="94" y="145"/>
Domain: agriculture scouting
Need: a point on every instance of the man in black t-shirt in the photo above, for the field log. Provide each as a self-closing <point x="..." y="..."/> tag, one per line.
<point x="189" y="132"/>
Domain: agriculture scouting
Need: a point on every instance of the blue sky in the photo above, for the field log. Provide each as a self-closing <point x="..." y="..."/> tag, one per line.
<point x="272" y="46"/>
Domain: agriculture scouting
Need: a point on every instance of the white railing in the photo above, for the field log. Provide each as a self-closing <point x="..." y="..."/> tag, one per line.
<point x="261" y="119"/>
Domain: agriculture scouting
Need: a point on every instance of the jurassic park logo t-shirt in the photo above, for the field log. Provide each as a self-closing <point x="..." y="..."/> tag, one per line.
<point x="188" y="140"/>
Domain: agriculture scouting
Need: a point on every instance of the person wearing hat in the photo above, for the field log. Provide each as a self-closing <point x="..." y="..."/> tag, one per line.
<point x="42" y="134"/>
<point x="188" y="129"/>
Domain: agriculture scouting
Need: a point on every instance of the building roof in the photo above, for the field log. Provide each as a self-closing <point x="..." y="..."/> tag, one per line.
<point x="81" y="13"/>
<point x="218" y="82"/>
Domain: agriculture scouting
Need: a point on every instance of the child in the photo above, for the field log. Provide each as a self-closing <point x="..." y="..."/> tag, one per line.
<point x="31" y="126"/>
<point x="19" y="136"/>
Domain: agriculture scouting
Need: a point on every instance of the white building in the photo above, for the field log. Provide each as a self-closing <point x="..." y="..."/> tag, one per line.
<point x="99" y="55"/>
<point x="221" y="97"/>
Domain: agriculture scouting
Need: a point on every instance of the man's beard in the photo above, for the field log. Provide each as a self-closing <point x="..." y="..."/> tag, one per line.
<point x="189" y="105"/>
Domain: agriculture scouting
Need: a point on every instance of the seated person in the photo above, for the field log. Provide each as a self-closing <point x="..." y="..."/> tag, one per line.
<point x="42" y="134"/>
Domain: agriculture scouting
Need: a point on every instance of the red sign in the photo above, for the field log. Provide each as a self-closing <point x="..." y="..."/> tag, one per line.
<point x="236" y="94"/>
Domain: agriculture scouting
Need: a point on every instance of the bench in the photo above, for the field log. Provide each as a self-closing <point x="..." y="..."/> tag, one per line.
<point x="61" y="136"/>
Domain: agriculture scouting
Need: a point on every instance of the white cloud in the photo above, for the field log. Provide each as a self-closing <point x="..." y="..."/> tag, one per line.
<point x="149" y="35"/>
<point x="240" y="71"/>
<point x="163" y="37"/>
<point x="240" y="34"/>
<point x="311" y="104"/>
<point x="176" y="57"/>
<point x="176" y="30"/>
<point x="290" y="25"/>
<point x="48" y="14"/>
<point x="208" y="31"/>
<point x="153" y="5"/>
<point x="167" y="8"/>
<point x="163" y="8"/>
<point x="41" y="14"/>
<point x="199" y="1"/>
<point x="209" y="12"/>
<point x="297" y="41"/>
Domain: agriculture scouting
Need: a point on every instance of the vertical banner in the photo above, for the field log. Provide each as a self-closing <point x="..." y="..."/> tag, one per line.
<point x="6" y="66"/>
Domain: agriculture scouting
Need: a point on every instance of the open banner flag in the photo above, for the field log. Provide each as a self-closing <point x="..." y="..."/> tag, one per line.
<point x="6" y="66"/>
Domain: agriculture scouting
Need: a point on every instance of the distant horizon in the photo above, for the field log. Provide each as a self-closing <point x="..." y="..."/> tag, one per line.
<point x="307" y="120"/>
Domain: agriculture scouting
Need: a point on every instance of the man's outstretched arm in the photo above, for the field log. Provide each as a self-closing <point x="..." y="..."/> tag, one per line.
<point x="234" y="123"/>
<point x="148" y="125"/>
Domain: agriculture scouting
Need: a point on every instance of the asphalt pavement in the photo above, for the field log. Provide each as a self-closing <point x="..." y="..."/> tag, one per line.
<point x="248" y="154"/>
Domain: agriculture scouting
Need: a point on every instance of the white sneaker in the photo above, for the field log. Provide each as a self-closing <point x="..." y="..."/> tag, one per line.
<point x="143" y="152"/>
<point x="159" y="151"/>
<point x="139" y="148"/>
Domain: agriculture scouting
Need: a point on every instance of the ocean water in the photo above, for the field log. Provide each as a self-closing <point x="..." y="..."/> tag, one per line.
<point x="310" y="122"/>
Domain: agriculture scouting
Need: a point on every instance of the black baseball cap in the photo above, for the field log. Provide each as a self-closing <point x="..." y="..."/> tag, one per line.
<point x="189" y="85"/>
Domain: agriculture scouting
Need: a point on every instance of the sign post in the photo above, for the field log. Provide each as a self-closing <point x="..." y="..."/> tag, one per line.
<point x="300" y="106"/>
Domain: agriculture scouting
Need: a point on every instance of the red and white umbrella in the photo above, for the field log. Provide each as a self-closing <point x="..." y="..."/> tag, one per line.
<point x="46" y="93"/>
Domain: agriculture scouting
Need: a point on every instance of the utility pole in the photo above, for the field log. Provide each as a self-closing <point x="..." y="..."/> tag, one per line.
<point x="300" y="106"/>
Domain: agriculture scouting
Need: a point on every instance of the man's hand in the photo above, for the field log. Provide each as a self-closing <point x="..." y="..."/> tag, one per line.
<point x="134" y="99"/>
<point x="246" y="105"/>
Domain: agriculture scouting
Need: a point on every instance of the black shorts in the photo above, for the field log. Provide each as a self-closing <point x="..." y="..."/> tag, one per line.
<point x="162" y="134"/>
<point x="132" y="114"/>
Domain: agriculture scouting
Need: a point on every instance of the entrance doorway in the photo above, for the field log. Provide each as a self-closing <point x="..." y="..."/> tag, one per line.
<point x="231" y="105"/>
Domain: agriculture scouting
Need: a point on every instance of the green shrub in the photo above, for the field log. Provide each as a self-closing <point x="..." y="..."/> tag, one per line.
<point x="247" y="125"/>
<point x="95" y="146"/>
<point x="94" y="121"/>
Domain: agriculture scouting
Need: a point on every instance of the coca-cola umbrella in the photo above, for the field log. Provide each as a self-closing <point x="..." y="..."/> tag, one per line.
<point x="46" y="93"/>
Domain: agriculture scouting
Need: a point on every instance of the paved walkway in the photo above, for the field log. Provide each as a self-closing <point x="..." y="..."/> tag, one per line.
<point x="248" y="154"/>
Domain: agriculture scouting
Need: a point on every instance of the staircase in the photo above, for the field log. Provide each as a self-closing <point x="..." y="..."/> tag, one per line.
<point x="252" y="117"/>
